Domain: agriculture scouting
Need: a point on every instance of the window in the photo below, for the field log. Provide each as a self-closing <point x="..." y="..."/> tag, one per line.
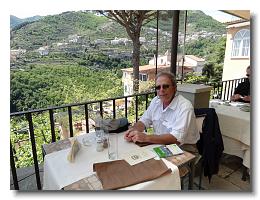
<point x="241" y="44"/>
<point x="143" y="77"/>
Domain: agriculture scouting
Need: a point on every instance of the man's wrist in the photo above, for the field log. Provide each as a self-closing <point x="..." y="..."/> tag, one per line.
<point x="146" y="138"/>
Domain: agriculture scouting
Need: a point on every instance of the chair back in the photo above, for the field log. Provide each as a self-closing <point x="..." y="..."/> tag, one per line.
<point x="210" y="145"/>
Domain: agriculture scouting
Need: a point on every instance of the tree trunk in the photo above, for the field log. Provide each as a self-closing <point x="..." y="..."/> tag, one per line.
<point x="136" y="63"/>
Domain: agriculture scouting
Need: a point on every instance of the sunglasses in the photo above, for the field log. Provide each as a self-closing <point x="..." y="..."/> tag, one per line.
<point x="247" y="75"/>
<point x="164" y="86"/>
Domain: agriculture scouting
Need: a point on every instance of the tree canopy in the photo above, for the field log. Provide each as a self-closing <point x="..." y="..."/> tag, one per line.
<point x="132" y="21"/>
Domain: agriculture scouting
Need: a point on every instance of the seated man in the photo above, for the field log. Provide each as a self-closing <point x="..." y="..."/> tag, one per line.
<point x="171" y="116"/>
<point x="242" y="92"/>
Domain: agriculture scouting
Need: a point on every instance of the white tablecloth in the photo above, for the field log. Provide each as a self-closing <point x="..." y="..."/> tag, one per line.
<point x="58" y="172"/>
<point x="235" y="129"/>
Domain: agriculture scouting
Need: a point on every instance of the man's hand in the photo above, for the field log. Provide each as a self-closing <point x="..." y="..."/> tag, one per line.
<point x="137" y="136"/>
<point x="246" y="98"/>
<point x="236" y="97"/>
<point x="127" y="136"/>
<point x="138" y="127"/>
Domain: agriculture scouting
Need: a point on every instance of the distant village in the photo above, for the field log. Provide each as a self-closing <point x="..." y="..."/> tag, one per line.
<point x="76" y="43"/>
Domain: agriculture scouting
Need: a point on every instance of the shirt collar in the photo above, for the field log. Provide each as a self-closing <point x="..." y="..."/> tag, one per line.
<point x="172" y="105"/>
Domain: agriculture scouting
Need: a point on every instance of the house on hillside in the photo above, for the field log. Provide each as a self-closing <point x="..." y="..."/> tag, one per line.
<point x="120" y="41"/>
<point x="237" y="54"/>
<point x="73" y="38"/>
<point x="195" y="63"/>
<point x="100" y="42"/>
<point x="15" y="53"/>
<point x="43" y="51"/>
<point x="162" y="59"/>
<point x="191" y="63"/>
<point x="147" y="72"/>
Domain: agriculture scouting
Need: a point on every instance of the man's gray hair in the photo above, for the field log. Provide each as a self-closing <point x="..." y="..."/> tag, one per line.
<point x="170" y="75"/>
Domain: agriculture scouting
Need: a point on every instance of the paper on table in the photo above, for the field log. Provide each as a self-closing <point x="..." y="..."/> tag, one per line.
<point x="74" y="150"/>
<point x="139" y="155"/>
<point x="174" y="149"/>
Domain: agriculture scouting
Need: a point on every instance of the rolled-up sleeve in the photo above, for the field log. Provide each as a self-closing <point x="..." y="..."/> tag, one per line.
<point x="180" y="126"/>
<point x="147" y="117"/>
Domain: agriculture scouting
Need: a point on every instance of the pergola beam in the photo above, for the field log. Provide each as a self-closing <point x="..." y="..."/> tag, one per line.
<point x="244" y="14"/>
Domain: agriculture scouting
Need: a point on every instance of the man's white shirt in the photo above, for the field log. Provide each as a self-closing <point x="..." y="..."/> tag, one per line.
<point x="177" y="118"/>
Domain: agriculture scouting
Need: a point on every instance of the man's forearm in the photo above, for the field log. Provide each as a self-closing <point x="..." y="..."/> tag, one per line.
<point x="161" y="139"/>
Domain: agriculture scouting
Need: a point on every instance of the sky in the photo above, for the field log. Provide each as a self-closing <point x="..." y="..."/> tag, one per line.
<point x="29" y="8"/>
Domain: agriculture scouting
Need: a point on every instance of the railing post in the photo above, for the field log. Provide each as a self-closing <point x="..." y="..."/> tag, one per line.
<point x="13" y="168"/>
<point x="146" y="101"/>
<point x="86" y="118"/>
<point x="53" y="137"/>
<point x="70" y="121"/>
<point x="31" y="131"/>
<point x="136" y="108"/>
<point x="225" y="91"/>
<point x="114" y="108"/>
<point x="125" y="107"/>
<point x="101" y="108"/>
<point x="222" y="85"/>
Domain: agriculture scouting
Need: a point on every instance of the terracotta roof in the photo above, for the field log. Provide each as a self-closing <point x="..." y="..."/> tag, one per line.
<point x="195" y="58"/>
<point x="244" y="14"/>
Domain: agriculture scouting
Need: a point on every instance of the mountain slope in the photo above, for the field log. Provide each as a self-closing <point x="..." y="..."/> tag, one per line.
<point x="15" y="21"/>
<point x="199" y="20"/>
<point x="57" y="28"/>
<point x="54" y="28"/>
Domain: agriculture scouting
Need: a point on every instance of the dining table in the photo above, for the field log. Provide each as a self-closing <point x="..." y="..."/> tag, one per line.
<point x="234" y="122"/>
<point x="59" y="173"/>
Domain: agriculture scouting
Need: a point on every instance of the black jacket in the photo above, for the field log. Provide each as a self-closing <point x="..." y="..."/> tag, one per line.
<point x="243" y="89"/>
<point x="210" y="145"/>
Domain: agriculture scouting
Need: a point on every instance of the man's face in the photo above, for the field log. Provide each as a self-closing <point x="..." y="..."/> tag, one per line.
<point x="165" y="89"/>
<point x="248" y="73"/>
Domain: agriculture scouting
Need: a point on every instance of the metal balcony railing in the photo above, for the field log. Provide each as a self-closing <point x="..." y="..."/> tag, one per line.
<point x="225" y="89"/>
<point x="138" y="99"/>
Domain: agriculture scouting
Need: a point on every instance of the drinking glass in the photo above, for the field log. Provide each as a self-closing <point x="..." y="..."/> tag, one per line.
<point x="112" y="146"/>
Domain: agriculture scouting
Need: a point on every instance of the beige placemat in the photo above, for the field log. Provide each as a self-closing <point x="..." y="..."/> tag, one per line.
<point x="118" y="174"/>
<point x="89" y="183"/>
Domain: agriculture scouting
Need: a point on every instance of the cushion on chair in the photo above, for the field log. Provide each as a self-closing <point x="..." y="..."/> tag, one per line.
<point x="199" y="122"/>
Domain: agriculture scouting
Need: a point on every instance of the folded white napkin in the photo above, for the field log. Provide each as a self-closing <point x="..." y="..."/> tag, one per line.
<point x="75" y="146"/>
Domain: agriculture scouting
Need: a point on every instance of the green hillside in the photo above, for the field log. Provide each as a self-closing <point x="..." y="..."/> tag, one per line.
<point x="57" y="28"/>
<point x="197" y="20"/>
<point x="17" y="22"/>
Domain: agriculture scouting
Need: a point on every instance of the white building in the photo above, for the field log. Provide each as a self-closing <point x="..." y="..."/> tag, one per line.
<point x="15" y="53"/>
<point x="237" y="53"/>
<point x="43" y="51"/>
<point x="191" y="62"/>
<point x="147" y="72"/>
<point x="73" y="38"/>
